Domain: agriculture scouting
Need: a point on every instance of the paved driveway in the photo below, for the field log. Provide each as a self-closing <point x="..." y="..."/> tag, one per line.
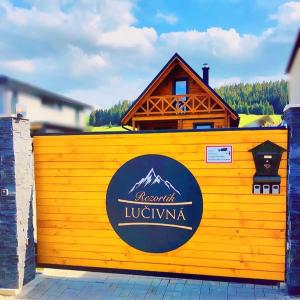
<point x="72" y="285"/>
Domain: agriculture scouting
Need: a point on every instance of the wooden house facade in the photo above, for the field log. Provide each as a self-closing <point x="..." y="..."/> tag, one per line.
<point x="178" y="98"/>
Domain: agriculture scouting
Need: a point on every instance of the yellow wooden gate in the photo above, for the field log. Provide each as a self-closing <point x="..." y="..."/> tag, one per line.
<point x="240" y="235"/>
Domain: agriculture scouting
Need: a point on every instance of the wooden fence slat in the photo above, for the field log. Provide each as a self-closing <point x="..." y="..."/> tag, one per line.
<point x="231" y="272"/>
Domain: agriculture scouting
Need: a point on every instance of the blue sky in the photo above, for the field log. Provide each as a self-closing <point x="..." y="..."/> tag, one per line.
<point x="107" y="50"/>
<point x="202" y="14"/>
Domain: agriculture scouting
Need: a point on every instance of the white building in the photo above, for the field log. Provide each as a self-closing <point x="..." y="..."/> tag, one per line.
<point x="293" y="69"/>
<point x="47" y="111"/>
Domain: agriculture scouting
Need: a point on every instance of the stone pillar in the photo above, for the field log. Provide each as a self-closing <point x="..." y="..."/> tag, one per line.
<point x="292" y="118"/>
<point x="17" y="254"/>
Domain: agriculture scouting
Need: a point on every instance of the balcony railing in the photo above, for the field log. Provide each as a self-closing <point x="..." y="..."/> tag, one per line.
<point x="178" y="104"/>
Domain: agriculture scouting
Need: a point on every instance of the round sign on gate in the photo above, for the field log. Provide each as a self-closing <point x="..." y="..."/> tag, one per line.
<point x="154" y="203"/>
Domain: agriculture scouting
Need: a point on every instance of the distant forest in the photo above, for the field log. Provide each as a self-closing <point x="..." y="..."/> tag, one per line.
<point x="110" y="116"/>
<point x="266" y="98"/>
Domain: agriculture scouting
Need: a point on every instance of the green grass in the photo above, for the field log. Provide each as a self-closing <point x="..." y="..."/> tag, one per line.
<point x="104" y="128"/>
<point x="247" y="119"/>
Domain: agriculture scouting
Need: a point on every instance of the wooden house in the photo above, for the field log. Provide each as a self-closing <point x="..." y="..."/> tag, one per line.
<point x="178" y="98"/>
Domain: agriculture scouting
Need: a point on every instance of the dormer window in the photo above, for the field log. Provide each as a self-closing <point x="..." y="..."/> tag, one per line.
<point x="180" y="87"/>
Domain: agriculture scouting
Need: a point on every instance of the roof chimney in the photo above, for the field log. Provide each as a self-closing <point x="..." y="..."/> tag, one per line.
<point x="205" y="76"/>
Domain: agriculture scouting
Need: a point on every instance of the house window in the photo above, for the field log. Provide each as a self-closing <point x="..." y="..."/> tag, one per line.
<point x="180" y="87"/>
<point x="203" y="125"/>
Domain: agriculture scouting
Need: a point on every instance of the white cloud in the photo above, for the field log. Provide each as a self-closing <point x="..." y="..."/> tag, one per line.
<point x="18" y="66"/>
<point x="288" y="22"/>
<point x="82" y="64"/>
<point x="168" y="18"/>
<point x="72" y="42"/>
<point x="215" y="41"/>
<point x="87" y="24"/>
<point x="110" y="91"/>
<point x="130" y="37"/>
<point x="287" y="14"/>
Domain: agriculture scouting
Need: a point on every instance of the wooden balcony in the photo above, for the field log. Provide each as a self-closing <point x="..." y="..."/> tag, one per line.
<point x="188" y="104"/>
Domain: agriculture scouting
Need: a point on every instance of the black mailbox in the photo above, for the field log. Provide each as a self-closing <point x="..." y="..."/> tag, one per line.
<point x="267" y="157"/>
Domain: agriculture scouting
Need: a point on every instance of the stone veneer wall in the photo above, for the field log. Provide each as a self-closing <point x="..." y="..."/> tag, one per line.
<point x="292" y="117"/>
<point x="17" y="255"/>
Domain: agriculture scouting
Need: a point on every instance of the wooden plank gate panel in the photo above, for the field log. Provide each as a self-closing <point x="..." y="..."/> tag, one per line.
<point x="240" y="235"/>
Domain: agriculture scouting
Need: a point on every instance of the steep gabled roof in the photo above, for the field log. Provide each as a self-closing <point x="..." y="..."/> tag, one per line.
<point x="162" y="72"/>
<point x="294" y="52"/>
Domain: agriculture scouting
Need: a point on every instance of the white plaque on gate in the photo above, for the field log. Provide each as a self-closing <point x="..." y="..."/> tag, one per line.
<point x="218" y="154"/>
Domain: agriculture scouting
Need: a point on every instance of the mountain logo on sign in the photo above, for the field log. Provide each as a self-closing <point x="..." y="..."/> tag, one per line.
<point x="153" y="181"/>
